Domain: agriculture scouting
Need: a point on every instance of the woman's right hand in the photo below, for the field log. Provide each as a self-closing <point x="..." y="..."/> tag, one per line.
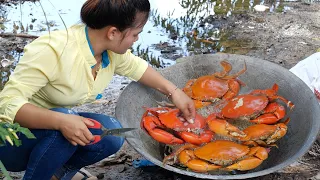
<point x="74" y="129"/>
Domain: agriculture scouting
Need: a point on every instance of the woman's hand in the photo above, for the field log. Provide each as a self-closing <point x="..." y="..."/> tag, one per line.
<point x="74" y="129"/>
<point x="155" y="80"/>
<point x="185" y="104"/>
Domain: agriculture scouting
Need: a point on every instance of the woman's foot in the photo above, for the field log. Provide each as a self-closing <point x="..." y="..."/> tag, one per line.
<point x="84" y="175"/>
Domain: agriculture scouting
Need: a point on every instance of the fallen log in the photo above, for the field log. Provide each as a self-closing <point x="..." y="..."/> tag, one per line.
<point x="18" y="35"/>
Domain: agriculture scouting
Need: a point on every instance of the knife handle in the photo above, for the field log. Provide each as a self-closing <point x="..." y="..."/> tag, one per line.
<point x="97" y="138"/>
<point x="96" y="124"/>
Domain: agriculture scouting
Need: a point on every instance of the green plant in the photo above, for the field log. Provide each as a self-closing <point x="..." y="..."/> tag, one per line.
<point x="8" y="133"/>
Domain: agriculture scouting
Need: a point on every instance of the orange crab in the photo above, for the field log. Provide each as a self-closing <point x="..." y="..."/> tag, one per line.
<point x="257" y="106"/>
<point x="210" y="88"/>
<point x="166" y="125"/>
<point x="222" y="127"/>
<point x="263" y="134"/>
<point x="220" y="154"/>
<point x="257" y="134"/>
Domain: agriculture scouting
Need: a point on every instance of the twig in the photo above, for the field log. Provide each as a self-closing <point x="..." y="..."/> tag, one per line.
<point x="18" y="35"/>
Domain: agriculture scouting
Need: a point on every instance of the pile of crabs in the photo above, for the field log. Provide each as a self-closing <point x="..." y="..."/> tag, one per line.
<point x="215" y="142"/>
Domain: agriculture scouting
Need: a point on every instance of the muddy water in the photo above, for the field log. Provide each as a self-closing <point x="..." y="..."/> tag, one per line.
<point x="176" y="28"/>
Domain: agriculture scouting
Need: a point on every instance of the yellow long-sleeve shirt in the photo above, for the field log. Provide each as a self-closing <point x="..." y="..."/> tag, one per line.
<point x="55" y="71"/>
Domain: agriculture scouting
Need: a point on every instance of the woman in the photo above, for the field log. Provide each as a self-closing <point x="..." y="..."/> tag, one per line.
<point x="69" y="68"/>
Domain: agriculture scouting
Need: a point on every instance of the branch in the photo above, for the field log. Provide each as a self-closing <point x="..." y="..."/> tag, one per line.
<point x="18" y="35"/>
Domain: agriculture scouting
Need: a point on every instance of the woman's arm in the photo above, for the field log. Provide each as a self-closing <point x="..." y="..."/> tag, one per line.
<point x="155" y="80"/>
<point x="137" y="69"/>
<point x="31" y="116"/>
<point x="73" y="127"/>
<point x="35" y="69"/>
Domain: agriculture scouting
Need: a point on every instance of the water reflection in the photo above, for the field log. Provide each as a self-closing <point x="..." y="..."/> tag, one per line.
<point x="200" y="30"/>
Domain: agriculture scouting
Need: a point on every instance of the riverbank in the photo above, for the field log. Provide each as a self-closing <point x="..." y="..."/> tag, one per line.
<point x="283" y="38"/>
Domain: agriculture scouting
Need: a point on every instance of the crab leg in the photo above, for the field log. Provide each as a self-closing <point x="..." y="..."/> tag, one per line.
<point x="226" y="69"/>
<point x="233" y="76"/>
<point x="272" y="95"/>
<point x="256" y="156"/>
<point x="288" y="103"/>
<point x="188" y="158"/>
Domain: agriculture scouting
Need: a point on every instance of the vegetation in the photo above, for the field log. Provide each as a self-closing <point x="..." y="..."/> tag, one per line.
<point x="8" y="136"/>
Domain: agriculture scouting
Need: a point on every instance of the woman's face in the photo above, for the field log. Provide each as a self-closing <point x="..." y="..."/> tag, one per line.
<point x="129" y="36"/>
<point x="127" y="39"/>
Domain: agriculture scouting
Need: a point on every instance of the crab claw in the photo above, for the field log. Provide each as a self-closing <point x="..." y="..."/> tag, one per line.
<point x="187" y="158"/>
<point x="204" y="137"/>
<point x="222" y="127"/>
<point x="256" y="156"/>
<point x="234" y="88"/>
<point x="265" y="135"/>
<point x="178" y="151"/>
<point x="152" y="124"/>
<point x="273" y="113"/>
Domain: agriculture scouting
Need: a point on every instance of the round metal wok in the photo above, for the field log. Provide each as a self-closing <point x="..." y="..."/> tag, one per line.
<point x="302" y="129"/>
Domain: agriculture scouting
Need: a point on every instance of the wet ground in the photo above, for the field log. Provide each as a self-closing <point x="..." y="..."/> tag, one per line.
<point x="285" y="34"/>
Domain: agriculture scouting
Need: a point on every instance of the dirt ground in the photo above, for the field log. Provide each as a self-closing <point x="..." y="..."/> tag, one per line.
<point x="282" y="38"/>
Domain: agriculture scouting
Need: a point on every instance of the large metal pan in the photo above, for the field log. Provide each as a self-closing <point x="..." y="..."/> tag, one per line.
<point x="302" y="130"/>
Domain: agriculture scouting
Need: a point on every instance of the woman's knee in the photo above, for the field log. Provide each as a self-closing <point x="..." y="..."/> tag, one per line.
<point x="111" y="144"/>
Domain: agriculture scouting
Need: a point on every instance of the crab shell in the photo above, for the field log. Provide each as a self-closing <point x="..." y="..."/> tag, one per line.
<point x="209" y="88"/>
<point x="244" y="106"/>
<point x="221" y="152"/>
<point x="264" y="134"/>
<point x="173" y="120"/>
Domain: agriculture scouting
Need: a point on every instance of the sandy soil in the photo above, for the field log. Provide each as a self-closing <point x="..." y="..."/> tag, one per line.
<point x="281" y="38"/>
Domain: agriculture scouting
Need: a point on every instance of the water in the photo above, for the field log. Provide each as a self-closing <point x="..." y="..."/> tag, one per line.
<point x="176" y="28"/>
<point x="171" y="21"/>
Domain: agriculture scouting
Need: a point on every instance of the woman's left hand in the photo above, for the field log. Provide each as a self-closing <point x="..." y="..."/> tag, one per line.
<point x="185" y="104"/>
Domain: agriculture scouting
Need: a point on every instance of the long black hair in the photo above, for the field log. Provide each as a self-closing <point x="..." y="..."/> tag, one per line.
<point x="122" y="14"/>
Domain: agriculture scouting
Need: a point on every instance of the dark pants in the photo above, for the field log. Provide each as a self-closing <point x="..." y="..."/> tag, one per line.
<point x="52" y="154"/>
